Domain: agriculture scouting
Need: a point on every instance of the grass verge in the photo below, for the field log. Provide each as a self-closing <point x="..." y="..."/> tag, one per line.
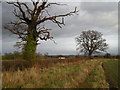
<point x="96" y="79"/>
<point x="111" y="72"/>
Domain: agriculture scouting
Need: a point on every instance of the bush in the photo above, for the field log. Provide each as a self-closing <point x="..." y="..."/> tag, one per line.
<point x="15" y="65"/>
<point x="107" y="55"/>
<point x="12" y="56"/>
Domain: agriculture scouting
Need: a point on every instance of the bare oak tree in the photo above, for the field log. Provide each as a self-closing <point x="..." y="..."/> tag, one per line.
<point x="29" y="26"/>
<point x="90" y="42"/>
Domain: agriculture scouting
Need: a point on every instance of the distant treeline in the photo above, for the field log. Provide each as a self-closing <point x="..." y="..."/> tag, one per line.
<point x="18" y="56"/>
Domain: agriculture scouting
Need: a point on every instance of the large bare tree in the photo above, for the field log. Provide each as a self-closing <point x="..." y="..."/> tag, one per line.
<point x="90" y="42"/>
<point x="29" y="25"/>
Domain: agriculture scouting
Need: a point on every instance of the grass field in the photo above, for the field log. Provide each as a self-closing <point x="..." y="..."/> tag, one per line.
<point x="77" y="74"/>
<point x="111" y="72"/>
<point x="70" y="75"/>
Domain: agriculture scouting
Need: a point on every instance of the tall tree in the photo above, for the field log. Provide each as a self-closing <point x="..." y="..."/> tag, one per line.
<point x="90" y="42"/>
<point x="29" y="26"/>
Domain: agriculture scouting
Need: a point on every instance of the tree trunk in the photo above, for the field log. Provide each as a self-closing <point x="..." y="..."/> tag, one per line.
<point x="89" y="55"/>
<point x="29" y="49"/>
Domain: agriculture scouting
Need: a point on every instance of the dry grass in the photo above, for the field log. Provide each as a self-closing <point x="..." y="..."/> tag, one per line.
<point x="96" y="78"/>
<point x="62" y="75"/>
<point x="42" y="63"/>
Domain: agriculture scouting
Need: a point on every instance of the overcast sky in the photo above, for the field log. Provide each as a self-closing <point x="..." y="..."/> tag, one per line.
<point x="99" y="16"/>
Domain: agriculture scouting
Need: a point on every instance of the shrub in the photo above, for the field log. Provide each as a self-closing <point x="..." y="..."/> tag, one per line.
<point x="12" y="56"/>
<point x="15" y="65"/>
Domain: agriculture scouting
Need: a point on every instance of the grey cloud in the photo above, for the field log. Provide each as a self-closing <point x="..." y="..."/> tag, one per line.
<point x="102" y="21"/>
<point x="8" y="47"/>
<point x="64" y="46"/>
<point x="96" y="16"/>
<point x="95" y="7"/>
<point x="7" y="16"/>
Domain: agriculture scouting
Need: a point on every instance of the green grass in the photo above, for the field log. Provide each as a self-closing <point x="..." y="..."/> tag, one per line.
<point x="111" y="72"/>
<point x="96" y="79"/>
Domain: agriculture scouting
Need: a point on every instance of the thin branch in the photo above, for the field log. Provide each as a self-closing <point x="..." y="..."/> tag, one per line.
<point x="18" y="5"/>
<point x="54" y="17"/>
<point x="53" y="4"/>
<point x="28" y="9"/>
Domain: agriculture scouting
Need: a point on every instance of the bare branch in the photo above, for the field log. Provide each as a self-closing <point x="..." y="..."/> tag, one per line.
<point x="18" y="5"/>
<point x="40" y="8"/>
<point x="35" y="4"/>
<point x="44" y="34"/>
<point x="17" y="28"/>
<point x="54" y="17"/>
<point x="49" y="4"/>
<point x="26" y="6"/>
<point x="53" y="40"/>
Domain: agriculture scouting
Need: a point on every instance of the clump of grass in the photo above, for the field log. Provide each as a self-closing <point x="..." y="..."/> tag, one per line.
<point x="20" y="79"/>
<point x="64" y="76"/>
<point x="96" y="79"/>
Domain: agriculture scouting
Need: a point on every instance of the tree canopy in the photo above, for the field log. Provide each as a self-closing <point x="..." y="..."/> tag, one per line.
<point x="90" y="42"/>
